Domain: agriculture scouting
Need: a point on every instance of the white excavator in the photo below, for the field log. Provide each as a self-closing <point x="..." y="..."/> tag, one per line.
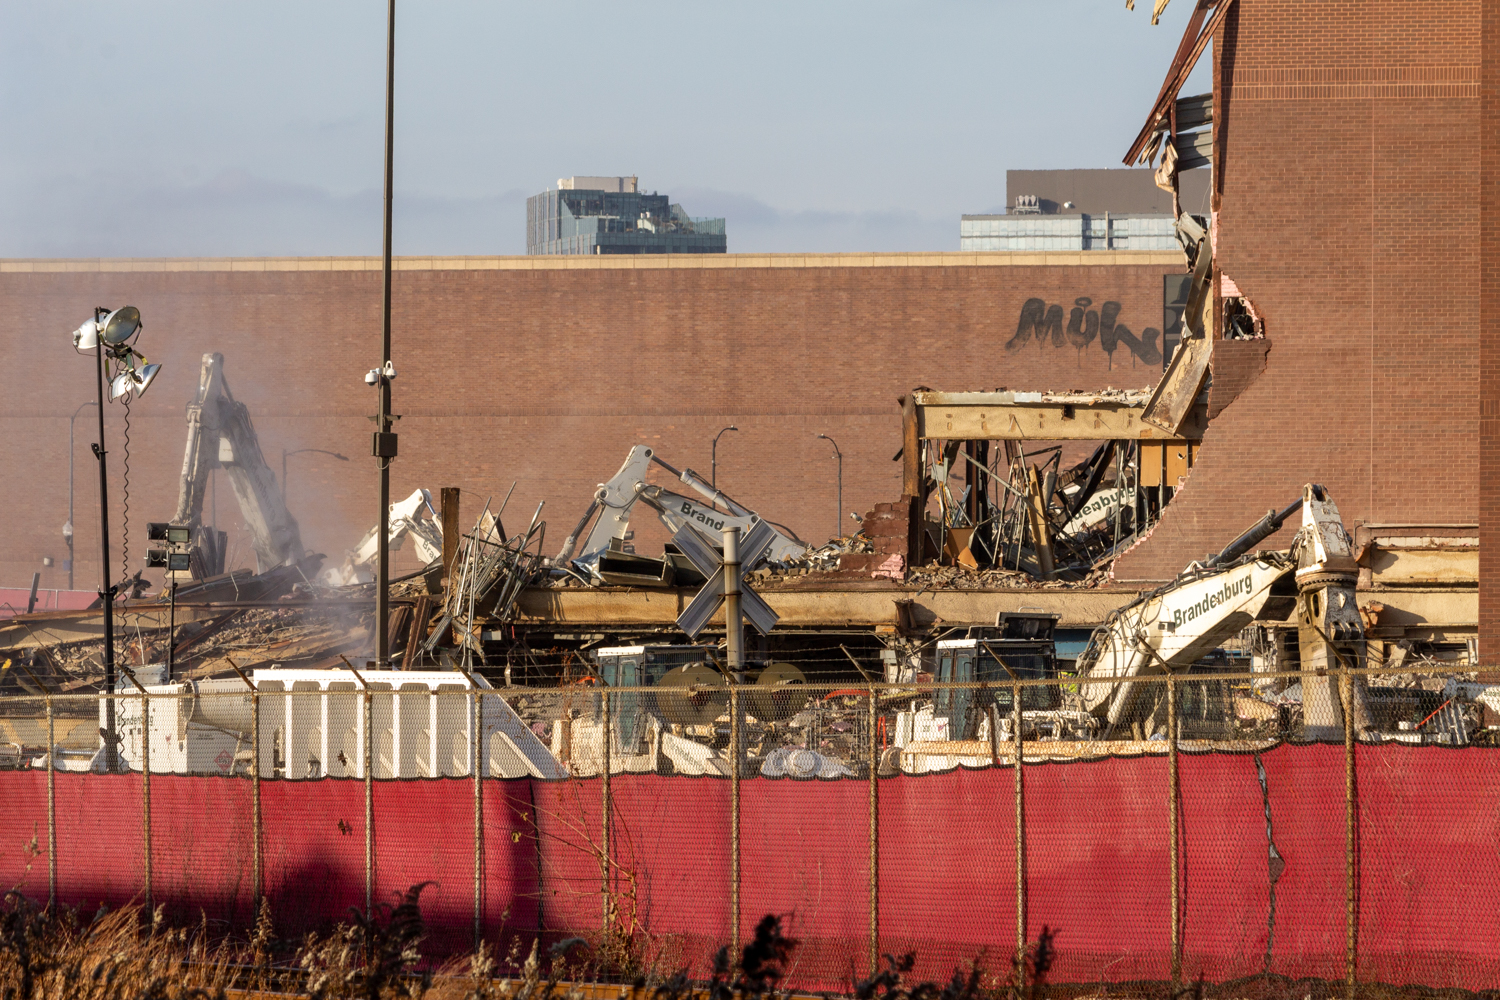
<point x="1172" y="627"/>
<point x="415" y="516"/>
<point x="220" y="436"/>
<point x="615" y="500"/>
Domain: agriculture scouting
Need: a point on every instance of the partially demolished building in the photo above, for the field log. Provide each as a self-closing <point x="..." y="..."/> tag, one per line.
<point x="1307" y="367"/>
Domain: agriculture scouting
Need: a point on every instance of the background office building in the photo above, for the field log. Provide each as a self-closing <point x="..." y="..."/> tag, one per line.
<point x="1084" y="210"/>
<point x="608" y="215"/>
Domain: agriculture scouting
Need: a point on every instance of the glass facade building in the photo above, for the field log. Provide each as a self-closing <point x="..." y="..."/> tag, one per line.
<point x="1033" y="232"/>
<point x="574" y="221"/>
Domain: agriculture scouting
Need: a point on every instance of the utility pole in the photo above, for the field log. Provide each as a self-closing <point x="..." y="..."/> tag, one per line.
<point x="713" y="473"/>
<point x="734" y="622"/>
<point x="385" y="438"/>
<point x="838" y="521"/>
<point x="68" y="527"/>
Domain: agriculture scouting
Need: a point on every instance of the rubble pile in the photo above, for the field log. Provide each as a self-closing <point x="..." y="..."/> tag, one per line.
<point x="935" y="577"/>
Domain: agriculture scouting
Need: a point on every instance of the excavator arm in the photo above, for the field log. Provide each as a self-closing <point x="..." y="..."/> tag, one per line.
<point x="1171" y="628"/>
<point x="615" y="500"/>
<point x="220" y="436"/>
<point x="415" y="516"/>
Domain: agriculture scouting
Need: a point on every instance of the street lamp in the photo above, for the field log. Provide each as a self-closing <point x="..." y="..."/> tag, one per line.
<point x="299" y="451"/>
<point x="838" y="520"/>
<point x="111" y="332"/>
<point x="67" y="530"/>
<point x="713" y="478"/>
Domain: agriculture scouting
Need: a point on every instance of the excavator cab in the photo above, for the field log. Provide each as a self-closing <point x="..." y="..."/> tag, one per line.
<point x="1023" y="644"/>
<point x="641" y="666"/>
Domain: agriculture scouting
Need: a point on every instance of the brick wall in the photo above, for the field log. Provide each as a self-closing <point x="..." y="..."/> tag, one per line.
<point x="538" y="372"/>
<point x="1489" y="348"/>
<point x="1347" y="196"/>
<point x="1233" y="367"/>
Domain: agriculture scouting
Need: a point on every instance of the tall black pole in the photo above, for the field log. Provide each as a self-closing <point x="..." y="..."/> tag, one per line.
<point x="385" y="449"/>
<point x="106" y="591"/>
<point x="172" y="627"/>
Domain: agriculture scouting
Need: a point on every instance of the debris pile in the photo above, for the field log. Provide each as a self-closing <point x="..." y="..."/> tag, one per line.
<point x="485" y="581"/>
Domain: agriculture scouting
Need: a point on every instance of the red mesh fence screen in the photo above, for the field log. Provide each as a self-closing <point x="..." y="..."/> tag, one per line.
<point x="1261" y="865"/>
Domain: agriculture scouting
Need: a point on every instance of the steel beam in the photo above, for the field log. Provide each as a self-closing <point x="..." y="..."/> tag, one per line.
<point x="1035" y="416"/>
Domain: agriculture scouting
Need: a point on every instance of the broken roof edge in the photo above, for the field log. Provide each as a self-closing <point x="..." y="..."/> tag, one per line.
<point x="1189" y="50"/>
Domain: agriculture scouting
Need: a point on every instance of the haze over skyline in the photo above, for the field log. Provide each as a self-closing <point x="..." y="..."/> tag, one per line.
<point x="179" y="129"/>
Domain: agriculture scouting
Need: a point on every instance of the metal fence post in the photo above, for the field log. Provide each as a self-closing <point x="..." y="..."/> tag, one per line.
<point x="604" y="810"/>
<point x="369" y="802"/>
<point x="1015" y="706"/>
<point x="51" y="810"/>
<point x="1174" y="801"/>
<point x="478" y="817"/>
<point x="874" y="838"/>
<point x="734" y="817"/>
<point x="146" y="792"/>
<point x="255" y="845"/>
<point x="1351" y="896"/>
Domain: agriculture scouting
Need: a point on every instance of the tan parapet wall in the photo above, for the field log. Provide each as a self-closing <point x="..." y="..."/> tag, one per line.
<point x="611" y="262"/>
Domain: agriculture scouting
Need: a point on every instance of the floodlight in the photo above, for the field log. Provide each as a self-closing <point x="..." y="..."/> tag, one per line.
<point x="86" y="337"/>
<point x="179" y="562"/>
<point x="120" y="385"/>
<point x="156" y="531"/>
<point x="156" y="558"/>
<point x="120" y="325"/>
<point x="178" y="535"/>
<point x="145" y="377"/>
<point x="128" y="379"/>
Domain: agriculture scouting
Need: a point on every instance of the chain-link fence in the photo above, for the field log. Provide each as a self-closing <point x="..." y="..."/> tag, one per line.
<point x="664" y="818"/>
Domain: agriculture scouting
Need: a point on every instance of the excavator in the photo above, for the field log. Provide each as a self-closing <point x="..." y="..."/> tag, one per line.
<point x="1169" y="629"/>
<point x="415" y="516"/>
<point x="615" y="500"/>
<point x="220" y="436"/>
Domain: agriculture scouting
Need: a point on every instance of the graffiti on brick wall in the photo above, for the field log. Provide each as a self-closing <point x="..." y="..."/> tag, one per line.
<point x="1043" y="323"/>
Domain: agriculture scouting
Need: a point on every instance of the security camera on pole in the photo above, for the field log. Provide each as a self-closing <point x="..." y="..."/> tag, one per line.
<point x="384" y="446"/>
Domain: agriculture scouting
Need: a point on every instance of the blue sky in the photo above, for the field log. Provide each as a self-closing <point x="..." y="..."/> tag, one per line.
<point x="193" y="129"/>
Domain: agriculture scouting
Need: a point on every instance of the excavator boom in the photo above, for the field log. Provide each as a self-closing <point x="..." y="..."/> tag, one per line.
<point x="615" y="500"/>
<point x="1171" y="628"/>
<point x="220" y="436"/>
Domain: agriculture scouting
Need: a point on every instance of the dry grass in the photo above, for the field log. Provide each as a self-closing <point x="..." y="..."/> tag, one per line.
<point x="129" y="954"/>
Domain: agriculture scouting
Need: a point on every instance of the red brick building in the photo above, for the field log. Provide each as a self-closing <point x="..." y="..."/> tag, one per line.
<point x="542" y="371"/>
<point x="1351" y="210"/>
<point x="1358" y="243"/>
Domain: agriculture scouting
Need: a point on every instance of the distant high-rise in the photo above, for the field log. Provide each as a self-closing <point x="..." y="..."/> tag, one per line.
<point x="599" y="215"/>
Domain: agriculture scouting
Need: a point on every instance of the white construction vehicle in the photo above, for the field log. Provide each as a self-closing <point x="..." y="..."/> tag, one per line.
<point x="414" y="516"/>
<point x="613" y="502"/>
<point x="220" y="436"/>
<point x="1172" y="627"/>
